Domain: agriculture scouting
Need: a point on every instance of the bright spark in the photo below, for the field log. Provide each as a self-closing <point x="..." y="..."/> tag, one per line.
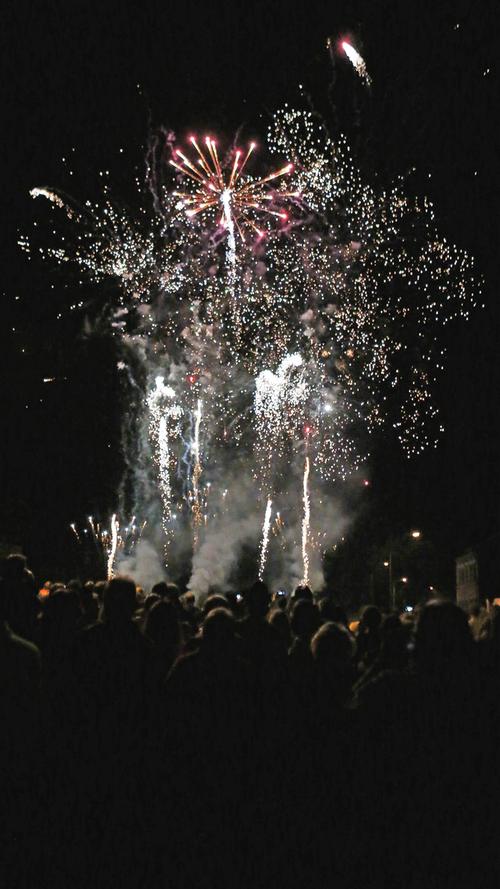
<point x="115" y="527"/>
<point x="306" y="520"/>
<point x="357" y="62"/>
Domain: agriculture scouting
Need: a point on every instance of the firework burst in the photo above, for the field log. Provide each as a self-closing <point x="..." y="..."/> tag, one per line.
<point x="336" y="336"/>
<point x="232" y="199"/>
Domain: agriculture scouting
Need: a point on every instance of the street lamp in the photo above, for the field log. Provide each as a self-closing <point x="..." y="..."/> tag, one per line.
<point x="415" y="535"/>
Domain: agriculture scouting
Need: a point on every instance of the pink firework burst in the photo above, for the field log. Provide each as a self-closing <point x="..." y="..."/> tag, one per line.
<point x="235" y="200"/>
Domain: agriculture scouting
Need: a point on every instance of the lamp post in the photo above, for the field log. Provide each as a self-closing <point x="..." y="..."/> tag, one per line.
<point x="402" y="580"/>
<point x="415" y="535"/>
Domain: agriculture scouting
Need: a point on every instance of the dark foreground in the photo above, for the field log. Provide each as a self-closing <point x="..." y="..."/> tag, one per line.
<point x="255" y="744"/>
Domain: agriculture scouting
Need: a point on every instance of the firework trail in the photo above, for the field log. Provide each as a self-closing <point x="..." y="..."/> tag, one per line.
<point x="75" y="532"/>
<point x="54" y="198"/>
<point x="115" y="527"/>
<point x="265" y="538"/>
<point x="197" y="470"/>
<point x="163" y="411"/>
<point x="92" y="527"/>
<point x="306" y="520"/>
<point x="163" y="459"/>
<point x="357" y="62"/>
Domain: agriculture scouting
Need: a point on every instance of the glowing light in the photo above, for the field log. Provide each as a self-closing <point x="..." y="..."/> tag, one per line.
<point x="197" y="470"/>
<point x="334" y="338"/>
<point x="265" y="537"/>
<point x="357" y="62"/>
<point x="306" y="521"/>
<point x="115" y="527"/>
<point x="164" y="414"/>
<point x="234" y="200"/>
<point x="54" y="198"/>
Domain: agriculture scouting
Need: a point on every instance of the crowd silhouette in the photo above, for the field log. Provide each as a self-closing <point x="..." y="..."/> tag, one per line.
<point x="253" y="740"/>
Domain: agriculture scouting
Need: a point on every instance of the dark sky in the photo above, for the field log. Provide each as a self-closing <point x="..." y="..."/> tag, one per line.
<point x="94" y="76"/>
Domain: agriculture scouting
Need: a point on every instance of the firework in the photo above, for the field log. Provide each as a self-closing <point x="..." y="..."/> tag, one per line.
<point x="54" y="198"/>
<point x="164" y="414"/>
<point x="197" y="470"/>
<point x="234" y="200"/>
<point x="306" y="520"/>
<point x="92" y="527"/>
<point x="335" y="336"/>
<point x="265" y="537"/>
<point x="357" y="62"/>
<point x="115" y="527"/>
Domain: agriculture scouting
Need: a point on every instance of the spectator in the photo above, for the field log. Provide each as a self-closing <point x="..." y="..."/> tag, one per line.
<point x="163" y="629"/>
<point x="331" y="613"/>
<point x="332" y="650"/>
<point x="116" y="670"/>
<point x="304" y="623"/>
<point x="21" y="603"/>
<point x="368" y="637"/>
<point x="278" y="619"/>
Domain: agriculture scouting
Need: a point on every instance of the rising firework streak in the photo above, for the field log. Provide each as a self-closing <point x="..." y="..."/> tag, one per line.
<point x="306" y="520"/>
<point x="197" y="470"/>
<point x="265" y="537"/>
<point x="115" y="527"/>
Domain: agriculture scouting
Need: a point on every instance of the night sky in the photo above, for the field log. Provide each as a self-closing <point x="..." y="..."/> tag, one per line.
<point x="97" y="77"/>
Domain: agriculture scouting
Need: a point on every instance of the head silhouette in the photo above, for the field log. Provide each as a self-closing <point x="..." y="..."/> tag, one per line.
<point x="332" y="649"/>
<point x="257" y="599"/>
<point x="13" y="567"/>
<point x="119" y="600"/>
<point x="370" y="620"/>
<point x="162" y="624"/>
<point x="443" y="641"/>
<point x="331" y="613"/>
<point x="216" y="600"/>
<point x="305" y="619"/>
<point x="302" y="591"/>
<point x="219" y="628"/>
